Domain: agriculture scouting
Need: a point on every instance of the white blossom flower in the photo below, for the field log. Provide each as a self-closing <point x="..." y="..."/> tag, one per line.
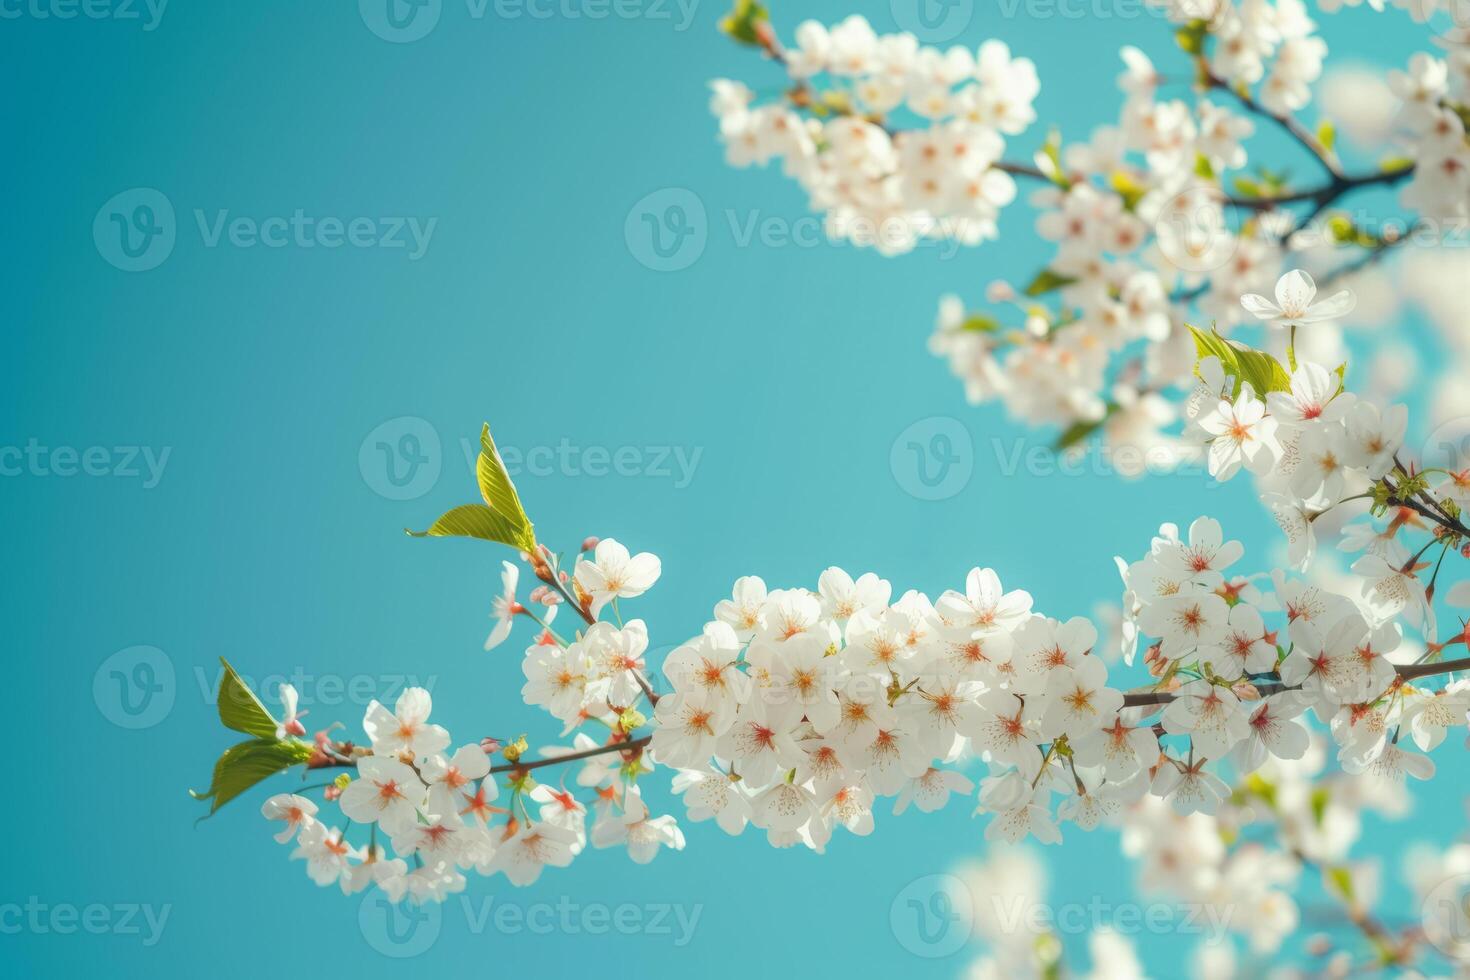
<point x="385" y="791"/>
<point x="613" y="574"/>
<point x="407" y="728"/>
<point x="1295" y="302"/>
<point x="296" y="811"/>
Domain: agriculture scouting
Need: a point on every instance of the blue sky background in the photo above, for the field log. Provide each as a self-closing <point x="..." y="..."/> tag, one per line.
<point x="272" y="537"/>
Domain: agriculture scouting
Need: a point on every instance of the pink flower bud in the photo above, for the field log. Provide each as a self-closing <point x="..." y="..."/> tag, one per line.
<point x="590" y="543"/>
<point x="999" y="291"/>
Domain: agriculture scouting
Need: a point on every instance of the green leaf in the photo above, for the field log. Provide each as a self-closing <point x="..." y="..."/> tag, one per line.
<point x="240" y="709"/>
<point x="1077" y="432"/>
<point x="740" y="23"/>
<point x="245" y="764"/>
<point x="499" y="492"/>
<point x="1341" y="880"/>
<point x="980" y="323"/>
<point x="1319" y="799"/>
<point x="1046" y="281"/>
<point x="1259" y="786"/>
<point x="475" y="521"/>
<point x="1327" y="135"/>
<point x="1246" y="187"/>
<point x="501" y="518"/>
<point x="1049" y="160"/>
<point x="1191" y="37"/>
<point x="1202" y="167"/>
<point x="1130" y="190"/>
<point x="1245" y="364"/>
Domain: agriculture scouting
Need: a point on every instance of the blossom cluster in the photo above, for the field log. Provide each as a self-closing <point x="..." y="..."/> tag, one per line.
<point x="1161" y="218"/>
<point x="796" y="709"/>
<point x="876" y="186"/>
<point x="1433" y="91"/>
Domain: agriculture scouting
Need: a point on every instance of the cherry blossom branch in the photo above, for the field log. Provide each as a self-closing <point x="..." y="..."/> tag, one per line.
<point x="1406" y="672"/>
<point x="343" y="757"/>
<point x="629" y="746"/>
<point x="1295" y="129"/>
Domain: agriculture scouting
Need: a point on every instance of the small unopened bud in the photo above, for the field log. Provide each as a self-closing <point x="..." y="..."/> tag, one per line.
<point x="999" y="291"/>
<point x="512" y="752"/>
<point x="1245" y="690"/>
<point x="489" y="746"/>
<point x="590" y="542"/>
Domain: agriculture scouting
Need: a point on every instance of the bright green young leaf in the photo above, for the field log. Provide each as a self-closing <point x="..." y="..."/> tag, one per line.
<point x="1078" y="432"/>
<point x="980" y="323"/>
<point x="476" y="521"/>
<point x="740" y="23"/>
<point x="1327" y="135"/>
<point x="245" y="764"/>
<point x="1129" y="189"/>
<point x="1046" y="281"/>
<point x="240" y="709"/>
<point x="501" y="518"/>
<point x="1340" y="879"/>
<point x="1245" y="364"/>
<point x="1202" y="167"/>
<point x="495" y="486"/>
<point x="1191" y="37"/>
<point x="1319" y="800"/>
<point x="1246" y="187"/>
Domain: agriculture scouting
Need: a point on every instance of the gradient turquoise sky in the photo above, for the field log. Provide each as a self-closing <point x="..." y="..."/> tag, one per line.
<point x="520" y="148"/>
